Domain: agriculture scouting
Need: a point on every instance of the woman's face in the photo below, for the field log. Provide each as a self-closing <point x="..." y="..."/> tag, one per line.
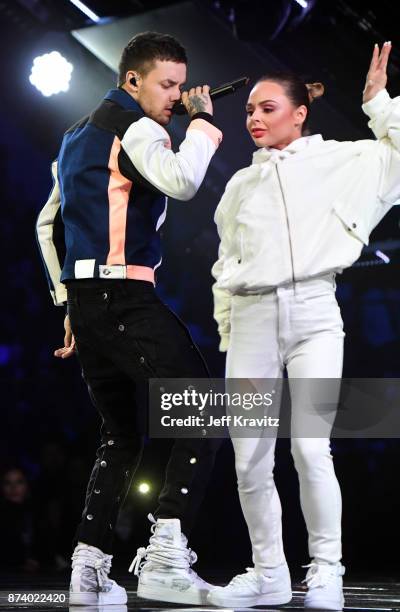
<point x="272" y="120"/>
<point x="14" y="486"/>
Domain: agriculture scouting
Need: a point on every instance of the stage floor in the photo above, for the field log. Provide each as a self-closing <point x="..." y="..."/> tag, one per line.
<point x="49" y="593"/>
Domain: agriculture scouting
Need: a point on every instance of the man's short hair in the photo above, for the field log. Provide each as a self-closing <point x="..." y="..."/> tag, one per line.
<point x="144" y="49"/>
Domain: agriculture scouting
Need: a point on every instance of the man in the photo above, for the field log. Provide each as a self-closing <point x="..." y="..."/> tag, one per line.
<point x="114" y="169"/>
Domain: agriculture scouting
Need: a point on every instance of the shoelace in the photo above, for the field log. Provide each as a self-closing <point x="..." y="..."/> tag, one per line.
<point x="320" y="575"/>
<point x="88" y="558"/>
<point x="163" y="552"/>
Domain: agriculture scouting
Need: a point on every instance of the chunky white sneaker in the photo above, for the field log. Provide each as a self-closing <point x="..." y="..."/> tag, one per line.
<point x="90" y="584"/>
<point x="253" y="589"/>
<point x="325" y="586"/>
<point x="165" y="574"/>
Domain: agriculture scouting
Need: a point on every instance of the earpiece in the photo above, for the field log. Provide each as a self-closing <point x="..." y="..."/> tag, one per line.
<point x="133" y="81"/>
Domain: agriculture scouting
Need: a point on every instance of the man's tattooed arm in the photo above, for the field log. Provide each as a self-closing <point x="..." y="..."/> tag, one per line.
<point x="197" y="104"/>
<point x="197" y="100"/>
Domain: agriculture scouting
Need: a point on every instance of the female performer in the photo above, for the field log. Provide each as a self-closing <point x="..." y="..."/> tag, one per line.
<point x="288" y="223"/>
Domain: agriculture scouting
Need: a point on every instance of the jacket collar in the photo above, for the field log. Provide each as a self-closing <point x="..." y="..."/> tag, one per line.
<point x="121" y="97"/>
<point x="266" y="153"/>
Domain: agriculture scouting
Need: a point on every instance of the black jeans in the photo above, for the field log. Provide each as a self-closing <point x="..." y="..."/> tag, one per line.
<point x="124" y="336"/>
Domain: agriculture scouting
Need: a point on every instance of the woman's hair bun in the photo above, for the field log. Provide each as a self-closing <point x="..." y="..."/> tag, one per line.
<point x="315" y="90"/>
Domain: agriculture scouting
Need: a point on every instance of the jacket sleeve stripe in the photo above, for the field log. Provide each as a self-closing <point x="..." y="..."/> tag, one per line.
<point x="47" y="247"/>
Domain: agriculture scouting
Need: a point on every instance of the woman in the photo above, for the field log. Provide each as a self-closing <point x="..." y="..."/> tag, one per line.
<point x="288" y="223"/>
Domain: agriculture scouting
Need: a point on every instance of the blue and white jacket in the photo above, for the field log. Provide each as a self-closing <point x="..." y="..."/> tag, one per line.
<point x="108" y="202"/>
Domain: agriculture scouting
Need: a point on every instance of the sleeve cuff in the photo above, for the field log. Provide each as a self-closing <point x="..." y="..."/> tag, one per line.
<point x="206" y="116"/>
<point x="207" y="128"/>
<point x="224" y="343"/>
<point x="377" y="105"/>
<point x="59" y="294"/>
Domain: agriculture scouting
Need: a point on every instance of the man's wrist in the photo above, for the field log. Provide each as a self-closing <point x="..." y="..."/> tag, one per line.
<point x="203" y="115"/>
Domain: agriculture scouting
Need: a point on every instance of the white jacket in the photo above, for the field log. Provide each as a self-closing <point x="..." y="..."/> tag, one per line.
<point x="305" y="210"/>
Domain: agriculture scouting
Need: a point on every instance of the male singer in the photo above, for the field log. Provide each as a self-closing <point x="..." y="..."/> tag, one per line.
<point x="113" y="173"/>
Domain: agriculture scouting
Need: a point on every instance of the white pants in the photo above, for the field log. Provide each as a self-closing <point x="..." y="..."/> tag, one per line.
<point x="298" y="326"/>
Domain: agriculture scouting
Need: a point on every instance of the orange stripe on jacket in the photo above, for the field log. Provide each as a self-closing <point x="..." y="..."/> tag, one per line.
<point x="140" y="273"/>
<point x="119" y="188"/>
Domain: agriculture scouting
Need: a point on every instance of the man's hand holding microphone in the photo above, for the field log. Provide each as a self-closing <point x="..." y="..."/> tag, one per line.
<point x="197" y="100"/>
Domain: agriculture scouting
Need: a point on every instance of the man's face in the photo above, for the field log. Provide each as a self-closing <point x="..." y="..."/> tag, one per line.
<point x="160" y="88"/>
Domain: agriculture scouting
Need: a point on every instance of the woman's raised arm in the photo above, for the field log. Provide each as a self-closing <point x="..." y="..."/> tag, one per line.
<point x="377" y="78"/>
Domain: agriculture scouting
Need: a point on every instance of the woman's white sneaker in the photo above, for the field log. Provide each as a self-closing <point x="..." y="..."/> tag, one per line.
<point x="324" y="586"/>
<point x="253" y="589"/>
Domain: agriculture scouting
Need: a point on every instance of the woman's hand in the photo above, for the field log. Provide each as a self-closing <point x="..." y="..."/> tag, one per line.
<point x="377" y="77"/>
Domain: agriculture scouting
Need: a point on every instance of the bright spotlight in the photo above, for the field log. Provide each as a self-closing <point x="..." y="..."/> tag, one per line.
<point x="144" y="488"/>
<point x="382" y="256"/>
<point x="51" y="73"/>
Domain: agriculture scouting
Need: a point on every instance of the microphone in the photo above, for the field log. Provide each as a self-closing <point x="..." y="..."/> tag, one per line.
<point x="217" y="92"/>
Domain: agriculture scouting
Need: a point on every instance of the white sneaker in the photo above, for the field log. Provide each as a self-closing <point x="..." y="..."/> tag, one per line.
<point x="90" y="584"/>
<point x="325" y="586"/>
<point x="115" y="608"/>
<point x="166" y="574"/>
<point x="254" y="589"/>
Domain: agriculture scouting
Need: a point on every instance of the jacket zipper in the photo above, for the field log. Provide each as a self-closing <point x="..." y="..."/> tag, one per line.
<point x="287" y="223"/>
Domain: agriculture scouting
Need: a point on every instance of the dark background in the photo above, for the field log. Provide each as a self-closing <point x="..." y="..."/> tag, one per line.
<point x="49" y="428"/>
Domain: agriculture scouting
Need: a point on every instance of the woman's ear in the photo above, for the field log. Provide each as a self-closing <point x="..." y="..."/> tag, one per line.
<point x="300" y="115"/>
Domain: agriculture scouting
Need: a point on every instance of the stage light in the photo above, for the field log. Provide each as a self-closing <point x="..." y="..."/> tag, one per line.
<point x="144" y="488"/>
<point x="86" y="10"/>
<point x="303" y="3"/>
<point x="51" y="73"/>
<point x="382" y="256"/>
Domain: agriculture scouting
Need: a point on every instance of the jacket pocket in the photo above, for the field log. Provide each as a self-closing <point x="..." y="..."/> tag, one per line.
<point x="353" y="222"/>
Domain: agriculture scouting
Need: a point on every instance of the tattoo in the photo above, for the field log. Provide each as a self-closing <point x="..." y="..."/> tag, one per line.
<point x="197" y="104"/>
